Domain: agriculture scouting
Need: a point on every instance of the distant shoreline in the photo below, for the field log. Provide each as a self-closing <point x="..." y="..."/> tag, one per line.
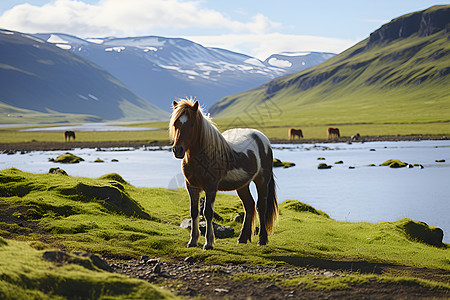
<point x="53" y="146"/>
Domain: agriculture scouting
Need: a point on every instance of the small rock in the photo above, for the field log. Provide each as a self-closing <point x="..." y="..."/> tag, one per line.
<point x="239" y="218"/>
<point x="190" y="260"/>
<point x="221" y="232"/>
<point x="323" y="166"/>
<point x="153" y="261"/>
<point x="96" y="260"/>
<point x="67" y="158"/>
<point x="56" y="256"/>
<point x="57" y="171"/>
<point x="144" y="258"/>
<point x="157" y="269"/>
<point x="186" y="223"/>
<point x="191" y="292"/>
<point x="224" y="291"/>
<point x="272" y="287"/>
<point x="328" y="274"/>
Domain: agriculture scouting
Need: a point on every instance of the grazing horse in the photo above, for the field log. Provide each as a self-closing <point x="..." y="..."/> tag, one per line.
<point x="295" y="132"/>
<point x="355" y="138"/>
<point x="69" y="134"/>
<point x="212" y="161"/>
<point x="333" y="133"/>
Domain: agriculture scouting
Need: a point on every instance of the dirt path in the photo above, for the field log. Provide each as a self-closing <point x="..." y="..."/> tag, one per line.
<point x="190" y="279"/>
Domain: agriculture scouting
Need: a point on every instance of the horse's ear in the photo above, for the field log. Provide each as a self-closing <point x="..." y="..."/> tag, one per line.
<point x="174" y="104"/>
<point x="195" y="107"/>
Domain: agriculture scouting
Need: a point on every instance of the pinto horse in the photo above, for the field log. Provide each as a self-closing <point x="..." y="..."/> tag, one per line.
<point x="212" y="161"/>
<point x="295" y="132"/>
<point x="69" y="134"/>
<point x="333" y="133"/>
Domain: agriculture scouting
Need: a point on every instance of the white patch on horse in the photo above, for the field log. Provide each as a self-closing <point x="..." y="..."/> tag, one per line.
<point x="236" y="175"/>
<point x="241" y="140"/>
<point x="183" y="118"/>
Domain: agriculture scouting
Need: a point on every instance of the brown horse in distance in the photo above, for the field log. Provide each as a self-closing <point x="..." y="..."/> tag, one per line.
<point x="295" y="132"/>
<point x="69" y="134"/>
<point x="333" y="133"/>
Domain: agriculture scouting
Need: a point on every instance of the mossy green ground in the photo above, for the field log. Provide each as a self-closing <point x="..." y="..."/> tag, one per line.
<point x="109" y="217"/>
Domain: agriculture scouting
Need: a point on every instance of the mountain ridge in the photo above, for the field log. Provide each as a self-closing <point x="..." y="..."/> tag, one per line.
<point x="161" y="69"/>
<point x="390" y="73"/>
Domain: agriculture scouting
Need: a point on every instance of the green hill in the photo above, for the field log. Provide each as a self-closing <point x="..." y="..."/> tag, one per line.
<point x="43" y="83"/>
<point x="400" y="74"/>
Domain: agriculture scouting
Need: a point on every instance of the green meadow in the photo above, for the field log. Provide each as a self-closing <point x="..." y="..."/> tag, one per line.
<point x="274" y="132"/>
<point x="112" y="218"/>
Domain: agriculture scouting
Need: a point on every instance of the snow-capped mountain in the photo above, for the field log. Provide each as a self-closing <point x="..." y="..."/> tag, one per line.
<point x="293" y="62"/>
<point x="37" y="76"/>
<point x="161" y="69"/>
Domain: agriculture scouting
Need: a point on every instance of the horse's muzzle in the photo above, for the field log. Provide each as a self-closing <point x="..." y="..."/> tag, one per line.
<point x="178" y="151"/>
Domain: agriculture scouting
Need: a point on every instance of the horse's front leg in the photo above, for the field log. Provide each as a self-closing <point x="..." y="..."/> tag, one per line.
<point x="194" y="195"/>
<point x="209" y="213"/>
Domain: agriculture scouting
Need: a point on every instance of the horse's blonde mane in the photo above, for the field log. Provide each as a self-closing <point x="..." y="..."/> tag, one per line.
<point x="211" y="141"/>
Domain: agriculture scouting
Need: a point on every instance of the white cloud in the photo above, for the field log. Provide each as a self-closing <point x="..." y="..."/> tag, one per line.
<point x="255" y="36"/>
<point x="118" y="17"/>
<point x="263" y="45"/>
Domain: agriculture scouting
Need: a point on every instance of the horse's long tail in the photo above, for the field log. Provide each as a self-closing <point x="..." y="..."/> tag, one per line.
<point x="272" y="206"/>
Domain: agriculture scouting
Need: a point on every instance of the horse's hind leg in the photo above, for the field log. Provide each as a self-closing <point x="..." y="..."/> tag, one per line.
<point x="249" y="207"/>
<point x="194" y="195"/>
<point x="262" y="184"/>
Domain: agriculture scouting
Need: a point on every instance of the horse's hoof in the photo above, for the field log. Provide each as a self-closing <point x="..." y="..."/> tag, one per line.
<point x="189" y="245"/>
<point x="208" y="247"/>
<point x="262" y="242"/>
<point x="242" y="241"/>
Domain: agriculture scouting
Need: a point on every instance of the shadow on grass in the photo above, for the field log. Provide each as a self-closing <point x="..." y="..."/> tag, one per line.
<point x="353" y="266"/>
<point x="365" y="267"/>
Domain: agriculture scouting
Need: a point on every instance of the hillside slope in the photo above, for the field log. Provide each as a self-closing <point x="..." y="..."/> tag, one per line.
<point x="38" y="76"/>
<point x="401" y="73"/>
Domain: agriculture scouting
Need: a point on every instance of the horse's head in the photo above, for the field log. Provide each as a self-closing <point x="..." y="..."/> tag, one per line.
<point x="183" y="127"/>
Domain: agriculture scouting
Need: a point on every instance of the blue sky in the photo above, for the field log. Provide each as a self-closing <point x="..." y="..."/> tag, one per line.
<point x="254" y="27"/>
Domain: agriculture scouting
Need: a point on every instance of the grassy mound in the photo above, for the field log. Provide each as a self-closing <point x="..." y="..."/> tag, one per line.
<point x="29" y="275"/>
<point x="302" y="207"/>
<point x="394" y="163"/>
<point x="278" y="164"/>
<point x="115" y="177"/>
<point x="67" y="158"/>
<point x="420" y="231"/>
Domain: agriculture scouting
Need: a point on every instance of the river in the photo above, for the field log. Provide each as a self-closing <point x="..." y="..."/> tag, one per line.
<point x="352" y="191"/>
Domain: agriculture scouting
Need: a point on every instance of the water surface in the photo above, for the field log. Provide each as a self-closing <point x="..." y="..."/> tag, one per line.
<point x="362" y="193"/>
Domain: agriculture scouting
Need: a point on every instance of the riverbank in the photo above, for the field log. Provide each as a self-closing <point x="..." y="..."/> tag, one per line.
<point x="52" y="146"/>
